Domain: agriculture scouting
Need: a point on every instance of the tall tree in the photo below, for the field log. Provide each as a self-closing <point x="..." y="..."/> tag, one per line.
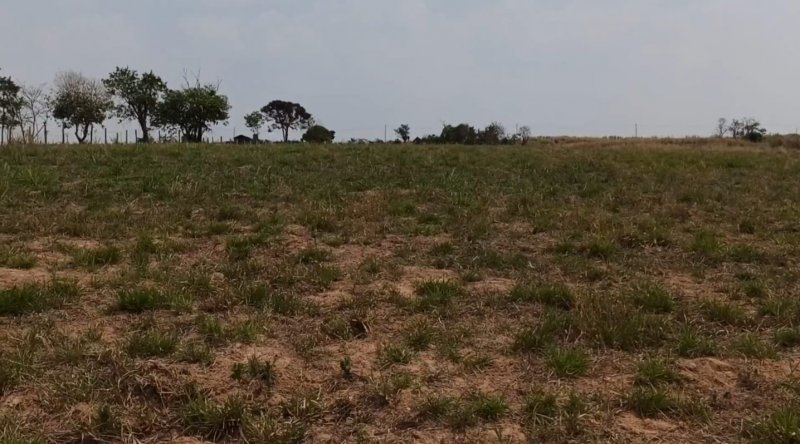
<point x="286" y="116"/>
<point x="10" y="105"/>
<point x="137" y="96"/>
<point x="403" y="132"/>
<point x="524" y="134"/>
<point x="254" y="121"/>
<point x="193" y="110"/>
<point x="80" y="102"/>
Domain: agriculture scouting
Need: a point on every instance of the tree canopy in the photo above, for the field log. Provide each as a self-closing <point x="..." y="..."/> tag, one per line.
<point x="10" y="103"/>
<point x="254" y="121"/>
<point x="192" y="110"/>
<point x="319" y="134"/>
<point x="80" y="102"/>
<point x="286" y="116"/>
<point x="137" y="96"/>
<point x="403" y="132"/>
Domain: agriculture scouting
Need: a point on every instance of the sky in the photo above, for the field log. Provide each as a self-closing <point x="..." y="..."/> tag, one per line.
<point x="561" y="67"/>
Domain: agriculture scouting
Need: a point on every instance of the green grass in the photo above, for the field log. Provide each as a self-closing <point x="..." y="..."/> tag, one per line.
<point x="151" y="343"/>
<point x="557" y="295"/>
<point x="17" y="258"/>
<point x="214" y="420"/>
<point x="255" y="369"/>
<point x="97" y="257"/>
<point x="536" y="339"/>
<point x="34" y="298"/>
<point x="436" y="295"/>
<point x="568" y="362"/>
<point x="653" y="402"/>
<point x="652" y="298"/>
<point x="142" y="300"/>
<point x="780" y="426"/>
<point x="655" y="372"/>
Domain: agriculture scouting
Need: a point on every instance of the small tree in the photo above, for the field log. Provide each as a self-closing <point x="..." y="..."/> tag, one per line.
<point x="286" y="116"/>
<point x="10" y="105"/>
<point x="461" y="134"/>
<point x="80" y="102"/>
<point x="137" y="96"/>
<point x="403" y="132"/>
<point x="722" y="128"/>
<point x="319" y="134"/>
<point x="524" y="134"/>
<point x="35" y="109"/>
<point x="254" y="121"/>
<point x="193" y="110"/>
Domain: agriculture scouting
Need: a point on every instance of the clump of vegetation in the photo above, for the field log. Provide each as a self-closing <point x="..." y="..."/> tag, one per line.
<point x="436" y="295"/>
<point x="33" y="298"/>
<point x="151" y="343"/>
<point x="556" y="296"/>
<point x="255" y="369"/>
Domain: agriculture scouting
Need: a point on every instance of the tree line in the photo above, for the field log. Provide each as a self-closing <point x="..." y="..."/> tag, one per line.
<point x="187" y="113"/>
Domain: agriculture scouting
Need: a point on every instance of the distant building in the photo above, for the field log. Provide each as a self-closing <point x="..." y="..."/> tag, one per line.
<point x="242" y="139"/>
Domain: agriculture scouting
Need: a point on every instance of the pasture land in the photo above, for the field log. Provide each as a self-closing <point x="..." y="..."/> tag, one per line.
<point x="601" y="291"/>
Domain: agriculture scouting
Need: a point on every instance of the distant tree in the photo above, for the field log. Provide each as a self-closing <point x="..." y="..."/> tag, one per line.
<point x="722" y="128"/>
<point x="403" y="132"/>
<point x="524" y="134"/>
<point x="286" y="116"/>
<point x="753" y="130"/>
<point x="137" y="96"/>
<point x="254" y="121"/>
<point x="747" y="128"/>
<point x="80" y="102"/>
<point x="493" y="134"/>
<point x="193" y="110"/>
<point x="319" y="134"/>
<point x="35" y="109"/>
<point x="461" y="134"/>
<point x="10" y="105"/>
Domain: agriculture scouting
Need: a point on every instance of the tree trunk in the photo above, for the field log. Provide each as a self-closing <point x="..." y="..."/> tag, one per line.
<point x="145" y="130"/>
<point x="285" y="134"/>
<point x="81" y="136"/>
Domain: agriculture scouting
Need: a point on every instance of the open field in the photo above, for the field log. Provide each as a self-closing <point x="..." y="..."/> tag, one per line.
<point x="605" y="291"/>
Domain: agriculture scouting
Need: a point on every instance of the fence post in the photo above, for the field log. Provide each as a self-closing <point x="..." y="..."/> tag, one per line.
<point x="105" y="135"/>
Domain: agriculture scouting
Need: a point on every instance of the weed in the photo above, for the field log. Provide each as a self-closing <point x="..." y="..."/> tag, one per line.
<point x="394" y="354"/>
<point x="781" y="426"/>
<point x="16" y="258"/>
<point x="723" y="313"/>
<point x="788" y="337"/>
<point x="650" y="402"/>
<point x="751" y="346"/>
<point x="97" y="257"/>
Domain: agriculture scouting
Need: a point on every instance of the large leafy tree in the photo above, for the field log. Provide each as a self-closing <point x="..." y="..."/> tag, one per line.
<point x="10" y="104"/>
<point x="286" y="116"/>
<point x="137" y="96"/>
<point x="193" y="110"/>
<point x="80" y="102"/>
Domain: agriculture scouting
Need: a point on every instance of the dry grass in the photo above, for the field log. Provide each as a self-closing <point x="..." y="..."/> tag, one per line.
<point x="571" y="290"/>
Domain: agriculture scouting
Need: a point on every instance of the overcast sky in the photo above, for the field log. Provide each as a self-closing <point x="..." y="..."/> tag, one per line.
<point x="577" y="67"/>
